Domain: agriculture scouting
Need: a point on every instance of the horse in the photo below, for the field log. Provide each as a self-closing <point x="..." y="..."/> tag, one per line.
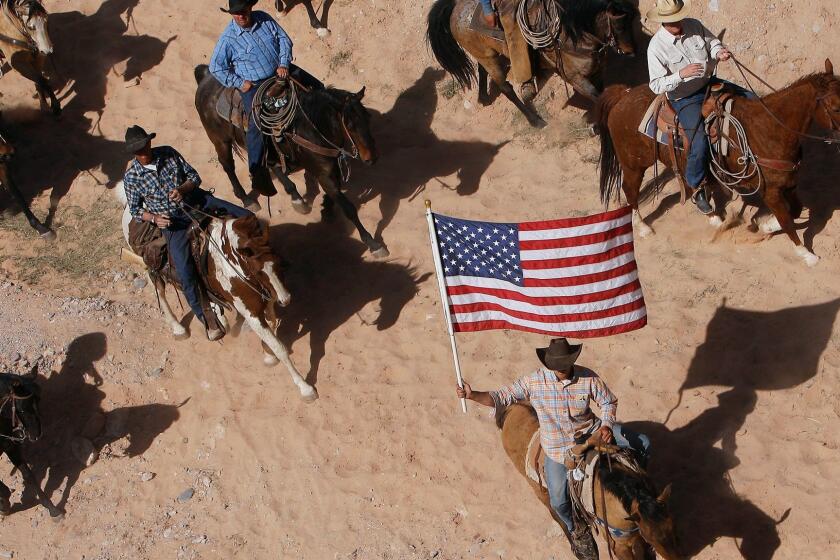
<point x="20" y="395"/>
<point x="588" y="28"/>
<point x="24" y="36"/>
<point x="319" y="25"/>
<point x="775" y="126"/>
<point x="632" y="505"/>
<point x="243" y="271"/>
<point x="7" y="152"/>
<point x="332" y="116"/>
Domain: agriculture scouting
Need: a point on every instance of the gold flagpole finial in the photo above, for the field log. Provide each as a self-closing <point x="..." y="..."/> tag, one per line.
<point x="428" y="204"/>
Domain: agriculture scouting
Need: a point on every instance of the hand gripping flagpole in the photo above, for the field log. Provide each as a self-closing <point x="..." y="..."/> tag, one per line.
<point x="444" y="300"/>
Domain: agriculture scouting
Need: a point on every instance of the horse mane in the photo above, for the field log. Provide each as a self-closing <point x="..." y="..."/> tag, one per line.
<point x="329" y="97"/>
<point x="579" y="16"/>
<point x="820" y="80"/>
<point x="628" y="487"/>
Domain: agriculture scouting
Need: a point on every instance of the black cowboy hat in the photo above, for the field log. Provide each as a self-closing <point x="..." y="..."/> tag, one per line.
<point x="136" y="139"/>
<point x="560" y="355"/>
<point x="238" y="5"/>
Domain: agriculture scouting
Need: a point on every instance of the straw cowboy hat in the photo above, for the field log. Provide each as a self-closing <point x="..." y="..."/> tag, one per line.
<point x="235" y="6"/>
<point x="669" y="11"/>
<point x="560" y="355"/>
<point x="136" y="139"/>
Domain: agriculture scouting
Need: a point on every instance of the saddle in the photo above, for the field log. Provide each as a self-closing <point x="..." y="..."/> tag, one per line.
<point x="478" y="25"/>
<point x="229" y="107"/>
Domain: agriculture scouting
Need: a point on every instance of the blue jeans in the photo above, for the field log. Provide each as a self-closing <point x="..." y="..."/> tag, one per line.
<point x="558" y="484"/>
<point x="178" y="244"/>
<point x="690" y="112"/>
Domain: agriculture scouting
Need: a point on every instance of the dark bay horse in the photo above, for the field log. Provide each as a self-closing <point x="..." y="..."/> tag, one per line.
<point x="20" y="421"/>
<point x="631" y="503"/>
<point x="775" y="126"/>
<point x="331" y="118"/>
<point x="588" y="28"/>
<point x="25" y="41"/>
<point x="7" y="152"/>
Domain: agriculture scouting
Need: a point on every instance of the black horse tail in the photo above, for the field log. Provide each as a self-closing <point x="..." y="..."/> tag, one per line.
<point x="610" y="169"/>
<point x="201" y="71"/>
<point x="446" y="49"/>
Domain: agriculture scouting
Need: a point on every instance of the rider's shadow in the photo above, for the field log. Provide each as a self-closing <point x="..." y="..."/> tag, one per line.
<point x="746" y="352"/>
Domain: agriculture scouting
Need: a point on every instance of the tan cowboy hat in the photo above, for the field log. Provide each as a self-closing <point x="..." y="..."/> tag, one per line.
<point x="560" y="355"/>
<point x="669" y="11"/>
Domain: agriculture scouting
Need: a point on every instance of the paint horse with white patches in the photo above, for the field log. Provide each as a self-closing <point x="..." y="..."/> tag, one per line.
<point x="244" y="273"/>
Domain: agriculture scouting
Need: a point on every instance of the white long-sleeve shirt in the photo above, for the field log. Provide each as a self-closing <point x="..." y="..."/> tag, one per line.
<point x="668" y="54"/>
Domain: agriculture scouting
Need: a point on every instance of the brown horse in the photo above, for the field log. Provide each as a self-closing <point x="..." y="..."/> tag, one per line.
<point x="7" y="152"/>
<point x="24" y="40"/>
<point x="630" y="500"/>
<point x="588" y="28"/>
<point x="775" y="126"/>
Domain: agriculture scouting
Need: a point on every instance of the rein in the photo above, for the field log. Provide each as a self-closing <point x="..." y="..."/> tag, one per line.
<point x="9" y="9"/>
<point x="17" y="425"/>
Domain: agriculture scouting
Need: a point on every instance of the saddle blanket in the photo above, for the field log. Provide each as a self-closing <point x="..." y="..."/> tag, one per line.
<point x="649" y="126"/>
<point x="229" y="107"/>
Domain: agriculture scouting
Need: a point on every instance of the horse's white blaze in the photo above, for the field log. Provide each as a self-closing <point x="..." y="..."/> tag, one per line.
<point x="283" y="295"/>
<point x="810" y="258"/>
<point x="40" y="35"/>
<point x="771" y="225"/>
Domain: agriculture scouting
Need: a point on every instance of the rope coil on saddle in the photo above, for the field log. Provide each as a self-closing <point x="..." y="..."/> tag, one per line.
<point x="544" y="31"/>
<point x="275" y="115"/>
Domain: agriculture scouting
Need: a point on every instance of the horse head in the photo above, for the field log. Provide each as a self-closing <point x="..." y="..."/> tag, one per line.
<point x="656" y="526"/>
<point x="33" y="15"/>
<point x="261" y="266"/>
<point x="356" y="122"/>
<point x="620" y="16"/>
<point x="22" y="395"/>
<point x="828" y="100"/>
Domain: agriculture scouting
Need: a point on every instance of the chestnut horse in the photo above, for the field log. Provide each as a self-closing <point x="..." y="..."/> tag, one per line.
<point x="775" y="126"/>
<point x="7" y="153"/>
<point x="630" y="500"/>
<point x="26" y="43"/>
<point x="588" y="28"/>
<point x="243" y="271"/>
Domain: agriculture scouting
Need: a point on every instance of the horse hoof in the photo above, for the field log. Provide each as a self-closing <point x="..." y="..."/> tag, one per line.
<point x="537" y="122"/>
<point x="810" y="258"/>
<point x="322" y="32"/>
<point x="771" y="225"/>
<point x="253" y="206"/>
<point x="270" y="360"/>
<point x="48" y="235"/>
<point x="301" y="207"/>
<point x="309" y="396"/>
<point x="57" y="516"/>
<point x="180" y="335"/>
<point x="381" y="253"/>
<point x="715" y="222"/>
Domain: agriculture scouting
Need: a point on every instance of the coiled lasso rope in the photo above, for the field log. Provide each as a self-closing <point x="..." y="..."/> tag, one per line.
<point x="543" y="32"/>
<point x="748" y="162"/>
<point x="275" y="115"/>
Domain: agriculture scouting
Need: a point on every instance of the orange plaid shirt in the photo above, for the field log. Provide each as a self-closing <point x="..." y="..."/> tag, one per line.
<point x="562" y="406"/>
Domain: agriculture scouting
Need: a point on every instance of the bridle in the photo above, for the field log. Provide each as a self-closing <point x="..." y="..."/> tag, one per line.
<point x="19" y="432"/>
<point x="10" y="9"/>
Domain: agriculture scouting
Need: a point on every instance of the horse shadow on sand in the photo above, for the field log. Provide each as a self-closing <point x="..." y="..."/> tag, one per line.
<point x="412" y="156"/>
<point x="73" y="417"/>
<point x="331" y="283"/>
<point x="744" y="352"/>
<point x="53" y="154"/>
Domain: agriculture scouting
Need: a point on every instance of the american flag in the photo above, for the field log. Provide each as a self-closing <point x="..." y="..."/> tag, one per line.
<point x="574" y="277"/>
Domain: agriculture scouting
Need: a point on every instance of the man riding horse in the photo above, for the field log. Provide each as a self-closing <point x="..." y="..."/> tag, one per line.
<point x="159" y="184"/>
<point x="252" y="49"/>
<point x="682" y="58"/>
<point x="560" y="393"/>
<point x="518" y="51"/>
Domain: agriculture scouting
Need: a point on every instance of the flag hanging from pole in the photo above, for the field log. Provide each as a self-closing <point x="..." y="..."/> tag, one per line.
<point x="573" y="277"/>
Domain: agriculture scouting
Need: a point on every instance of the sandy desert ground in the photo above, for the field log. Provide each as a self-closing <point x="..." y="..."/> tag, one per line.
<point x="742" y="337"/>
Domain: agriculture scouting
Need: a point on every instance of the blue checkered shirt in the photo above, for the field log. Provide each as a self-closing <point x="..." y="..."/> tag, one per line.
<point x="149" y="190"/>
<point x="251" y="54"/>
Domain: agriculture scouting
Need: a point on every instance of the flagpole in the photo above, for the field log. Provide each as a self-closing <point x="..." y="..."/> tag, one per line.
<point x="444" y="300"/>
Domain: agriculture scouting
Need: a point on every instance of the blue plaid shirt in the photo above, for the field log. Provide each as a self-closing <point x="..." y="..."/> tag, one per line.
<point x="149" y="190"/>
<point x="487" y="6"/>
<point x="251" y="54"/>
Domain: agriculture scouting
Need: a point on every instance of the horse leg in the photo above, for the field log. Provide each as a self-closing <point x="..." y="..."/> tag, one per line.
<point x="15" y="456"/>
<point x="777" y="204"/>
<point x="220" y="315"/>
<point x="224" y="151"/>
<point x="259" y="325"/>
<point x="332" y="186"/>
<point x="578" y="78"/>
<point x="298" y="203"/>
<point x="631" y="182"/>
<point x="178" y="330"/>
<point x="5" y="503"/>
<point x="494" y="68"/>
<point x="6" y="179"/>
<point x="327" y="208"/>
<point x="43" y="87"/>
<point x="483" y="92"/>
<point x="795" y="205"/>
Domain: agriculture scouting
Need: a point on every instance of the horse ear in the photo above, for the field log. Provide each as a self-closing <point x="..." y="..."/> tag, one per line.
<point x="665" y="495"/>
<point x="614" y="12"/>
<point x="360" y="94"/>
<point x="829" y="67"/>
<point x="33" y="373"/>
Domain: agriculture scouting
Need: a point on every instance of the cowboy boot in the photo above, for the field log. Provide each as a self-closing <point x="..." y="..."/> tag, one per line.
<point x="583" y="544"/>
<point x="701" y="200"/>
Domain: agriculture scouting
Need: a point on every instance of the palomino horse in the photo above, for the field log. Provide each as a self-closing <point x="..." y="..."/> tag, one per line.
<point x="629" y="498"/>
<point x="331" y="126"/>
<point x="775" y="127"/>
<point x="318" y="24"/>
<point x="245" y="273"/>
<point x="25" y="42"/>
<point x="588" y="28"/>
<point x="19" y="395"/>
<point x="7" y="152"/>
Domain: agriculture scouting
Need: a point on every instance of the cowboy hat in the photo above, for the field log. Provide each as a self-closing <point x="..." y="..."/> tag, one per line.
<point x="238" y="5"/>
<point x="560" y="355"/>
<point x="669" y="11"/>
<point x="136" y="139"/>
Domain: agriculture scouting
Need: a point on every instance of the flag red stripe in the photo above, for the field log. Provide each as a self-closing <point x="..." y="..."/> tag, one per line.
<point x="582" y="279"/>
<point x="565" y="318"/>
<point x="573" y="222"/>
<point x="591" y="333"/>
<point x="553" y="300"/>
<point x="579" y="261"/>
<point x="564" y="242"/>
